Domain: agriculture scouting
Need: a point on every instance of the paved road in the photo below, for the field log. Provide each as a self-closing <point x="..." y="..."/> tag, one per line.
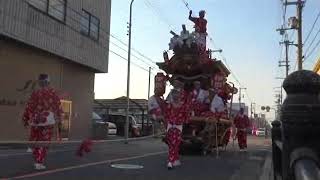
<point x="151" y="154"/>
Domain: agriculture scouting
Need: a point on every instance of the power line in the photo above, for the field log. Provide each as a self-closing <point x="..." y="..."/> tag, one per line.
<point x="186" y="4"/>
<point x="157" y="12"/>
<point x="113" y="36"/>
<point x="121" y="57"/>
<point x="284" y="13"/>
<point x="100" y="44"/>
<point x="133" y="49"/>
<point x="132" y="55"/>
<point x="313" y="40"/>
<point x="312" y="28"/>
<point x="314" y="48"/>
<point x="100" y="28"/>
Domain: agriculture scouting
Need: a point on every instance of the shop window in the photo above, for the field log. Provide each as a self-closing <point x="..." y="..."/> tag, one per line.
<point x="53" y="8"/>
<point x="90" y="25"/>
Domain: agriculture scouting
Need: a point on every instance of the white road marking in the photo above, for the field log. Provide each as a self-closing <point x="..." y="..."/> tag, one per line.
<point x="85" y="165"/>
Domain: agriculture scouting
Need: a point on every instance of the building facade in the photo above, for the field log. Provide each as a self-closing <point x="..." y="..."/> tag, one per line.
<point x="236" y="108"/>
<point x="67" y="39"/>
<point x="138" y="107"/>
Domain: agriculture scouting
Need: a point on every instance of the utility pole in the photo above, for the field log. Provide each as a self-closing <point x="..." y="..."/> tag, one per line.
<point x="281" y="89"/>
<point x="149" y="83"/>
<point x="299" y="14"/>
<point x="240" y="96"/>
<point x="126" y="132"/>
<point x="253" y="109"/>
<point x="296" y="23"/>
<point x="287" y="43"/>
<point x="280" y="93"/>
<point x="278" y="100"/>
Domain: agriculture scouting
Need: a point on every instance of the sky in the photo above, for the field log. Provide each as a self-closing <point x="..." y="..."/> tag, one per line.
<point x="245" y="30"/>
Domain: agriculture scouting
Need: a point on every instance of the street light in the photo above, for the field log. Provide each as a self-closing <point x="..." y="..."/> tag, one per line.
<point x="240" y="95"/>
<point x="218" y="50"/>
<point x="128" y="76"/>
<point x="268" y="108"/>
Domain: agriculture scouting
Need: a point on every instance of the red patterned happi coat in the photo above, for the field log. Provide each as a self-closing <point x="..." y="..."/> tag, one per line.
<point x="175" y="118"/>
<point x="43" y="103"/>
<point x="242" y="123"/>
<point x="39" y="105"/>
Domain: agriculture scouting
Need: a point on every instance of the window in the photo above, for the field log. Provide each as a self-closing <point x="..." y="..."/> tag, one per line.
<point x="85" y="19"/>
<point x="57" y="9"/>
<point x="39" y="4"/>
<point x="54" y="8"/>
<point x="90" y="25"/>
<point x="94" y="27"/>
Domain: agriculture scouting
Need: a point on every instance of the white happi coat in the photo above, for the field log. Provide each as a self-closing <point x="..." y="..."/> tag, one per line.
<point x="202" y="96"/>
<point x="217" y="104"/>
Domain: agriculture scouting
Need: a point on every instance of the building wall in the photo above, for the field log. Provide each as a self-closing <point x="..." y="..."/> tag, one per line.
<point x="22" y="22"/>
<point x="20" y="63"/>
<point x="236" y="108"/>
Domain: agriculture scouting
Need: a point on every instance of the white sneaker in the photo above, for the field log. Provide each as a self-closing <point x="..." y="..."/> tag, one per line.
<point x="241" y="150"/>
<point x="170" y="166"/>
<point x="29" y="150"/>
<point x="177" y="163"/>
<point x="39" y="166"/>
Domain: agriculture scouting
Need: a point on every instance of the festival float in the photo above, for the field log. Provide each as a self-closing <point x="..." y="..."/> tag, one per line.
<point x="191" y="61"/>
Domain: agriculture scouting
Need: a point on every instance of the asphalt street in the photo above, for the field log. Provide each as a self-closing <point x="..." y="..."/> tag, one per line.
<point x="147" y="156"/>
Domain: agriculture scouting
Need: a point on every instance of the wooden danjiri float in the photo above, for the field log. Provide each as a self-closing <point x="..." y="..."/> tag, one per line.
<point x="192" y="62"/>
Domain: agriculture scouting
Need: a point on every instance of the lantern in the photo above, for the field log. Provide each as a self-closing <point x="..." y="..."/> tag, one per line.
<point x="218" y="81"/>
<point x="160" y="83"/>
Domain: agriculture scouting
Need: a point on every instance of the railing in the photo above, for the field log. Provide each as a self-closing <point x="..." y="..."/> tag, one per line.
<point x="306" y="169"/>
<point x="295" y="137"/>
<point x="304" y="162"/>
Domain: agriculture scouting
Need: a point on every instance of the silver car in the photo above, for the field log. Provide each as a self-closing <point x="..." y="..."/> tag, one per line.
<point x="112" y="128"/>
<point x="261" y="132"/>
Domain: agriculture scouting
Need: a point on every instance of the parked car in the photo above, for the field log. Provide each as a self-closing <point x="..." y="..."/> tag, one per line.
<point x="111" y="127"/>
<point x="261" y="132"/>
<point x="119" y="120"/>
<point x="254" y="132"/>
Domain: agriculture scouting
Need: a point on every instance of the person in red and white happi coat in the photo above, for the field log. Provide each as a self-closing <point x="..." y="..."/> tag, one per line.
<point x="217" y="106"/>
<point x="176" y="113"/>
<point x="242" y="122"/>
<point x="200" y="29"/>
<point x="177" y="85"/>
<point x="201" y="99"/>
<point x="155" y="105"/>
<point x="42" y="112"/>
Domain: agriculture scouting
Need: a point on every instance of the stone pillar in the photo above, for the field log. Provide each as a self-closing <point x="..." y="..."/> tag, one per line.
<point x="300" y="119"/>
